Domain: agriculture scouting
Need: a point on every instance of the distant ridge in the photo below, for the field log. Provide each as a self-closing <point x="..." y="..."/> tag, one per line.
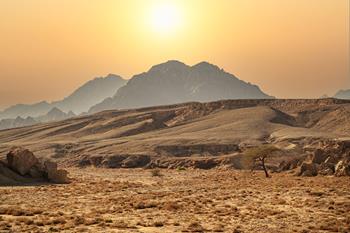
<point x="78" y="102"/>
<point x="343" y="94"/>
<point x="54" y="114"/>
<point x="175" y="82"/>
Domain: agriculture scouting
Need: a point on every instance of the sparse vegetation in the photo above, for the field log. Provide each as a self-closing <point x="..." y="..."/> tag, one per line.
<point x="256" y="157"/>
<point x="188" y="201"/>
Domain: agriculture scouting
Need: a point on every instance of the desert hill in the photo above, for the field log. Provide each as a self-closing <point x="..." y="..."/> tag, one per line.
<point x="79" y="101"/>
<point x="175" y="82"/>
<point x="188" y="130"/>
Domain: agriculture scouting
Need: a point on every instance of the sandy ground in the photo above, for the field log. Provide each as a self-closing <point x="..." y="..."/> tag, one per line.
<point x="101" y="200"/>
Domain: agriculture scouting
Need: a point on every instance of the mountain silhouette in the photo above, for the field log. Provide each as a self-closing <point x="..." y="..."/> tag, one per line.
<point x="175" y="82"/>
<point x="54" y="114"/>
<point x="78" y="102"/>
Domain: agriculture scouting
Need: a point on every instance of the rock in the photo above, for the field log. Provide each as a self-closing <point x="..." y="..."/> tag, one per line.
<point x="21" y="160"/>
<point x="326" y="169"/>
<point x="37" y="173"/>
<point x="319" y="156"/>
<point x="288" y="165"/>
<point x="308" y="169"/>
<point x="10" y="177"/>
<point x="55" y="175"/>
<point x="58" y="176"/>
<point x="50" y="166"/>
<point x="342" y="168"/>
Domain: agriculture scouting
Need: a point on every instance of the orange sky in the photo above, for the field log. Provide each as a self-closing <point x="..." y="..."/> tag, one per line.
<point x="290" y="48"/>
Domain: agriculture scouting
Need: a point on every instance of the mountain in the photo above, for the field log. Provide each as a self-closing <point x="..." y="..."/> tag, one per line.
<point x="91" y="93"/>
<point x="78" y="102"/>
<point x="25" y="110"/>
<point x="17" y="122"/>
<point x="175" y="82"/>
<point x="54" y="114"/>
<point x="343" y="94"/>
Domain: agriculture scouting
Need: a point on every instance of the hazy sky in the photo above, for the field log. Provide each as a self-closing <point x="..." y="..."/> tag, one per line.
<point x="290" y="48"/>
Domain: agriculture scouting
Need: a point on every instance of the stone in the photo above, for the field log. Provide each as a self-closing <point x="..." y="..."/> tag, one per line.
<point x="50" y="166"/>
<point x="342" y="168"/>
<point x="35" y="172"/>
<point x="21" y="160"/>
<point x="58" y="176"/>
<point x="308" y="169"/>
<point x="319" y="156"/>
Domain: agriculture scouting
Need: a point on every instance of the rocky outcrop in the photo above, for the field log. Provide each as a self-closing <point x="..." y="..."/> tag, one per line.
<point x="197" y="149"/>
<point x="331" y="158"/>
<point x="23" y="167"/>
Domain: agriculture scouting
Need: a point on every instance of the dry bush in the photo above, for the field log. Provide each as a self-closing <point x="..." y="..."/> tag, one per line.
<point x="256" y="157"/>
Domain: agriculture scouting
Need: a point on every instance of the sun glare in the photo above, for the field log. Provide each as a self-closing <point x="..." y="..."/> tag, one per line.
<point x="165" y="18"/>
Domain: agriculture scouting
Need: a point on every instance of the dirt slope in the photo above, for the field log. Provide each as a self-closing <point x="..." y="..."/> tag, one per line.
<point x="185" y="130"/>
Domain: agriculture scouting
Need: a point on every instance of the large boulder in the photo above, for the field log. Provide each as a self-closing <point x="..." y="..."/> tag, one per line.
<point x="10" y="177"/>
<point x="54" y="175"/>
<point x="21" y="160"/>
<point x="342" y="168"/>
<point x="308" y="169"/>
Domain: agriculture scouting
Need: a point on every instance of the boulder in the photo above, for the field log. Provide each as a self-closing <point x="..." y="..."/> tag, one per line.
<point x="58" y="176"/>
<point x="50" y="166"/>
<point x="37" y="173"/>
<point x="319" y="156"/>
<point x="11" y="177"/>
<point x="326" y="169"/>
<point x="307" y="169"/>
<point x="54" y="175"/>
<point x="342" y="168"/>
<point x="21" y="160"/>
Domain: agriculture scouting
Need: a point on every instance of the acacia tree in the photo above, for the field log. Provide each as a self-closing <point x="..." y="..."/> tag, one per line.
<point x="256" y="157"/>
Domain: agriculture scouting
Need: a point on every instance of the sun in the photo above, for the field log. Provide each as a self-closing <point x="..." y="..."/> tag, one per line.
<point x="165" y="18"/>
